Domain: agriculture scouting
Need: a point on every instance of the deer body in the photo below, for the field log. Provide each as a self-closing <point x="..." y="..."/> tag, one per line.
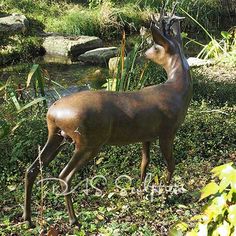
<point x="120" y="118"/>
<point x="95" y="118"/>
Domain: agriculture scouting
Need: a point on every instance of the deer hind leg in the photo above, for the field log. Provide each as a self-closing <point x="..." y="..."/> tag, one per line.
<point x="78" y="160"/>
<point x="166" y="146"/>
<point x="48" y="153"/>
<point x="145" y="159"/>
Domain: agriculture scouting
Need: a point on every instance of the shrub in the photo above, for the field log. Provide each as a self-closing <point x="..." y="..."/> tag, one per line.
<point x="219" y="215"/>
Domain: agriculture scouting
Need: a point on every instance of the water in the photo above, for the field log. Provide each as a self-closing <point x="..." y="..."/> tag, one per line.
<point x="60" y="70"/>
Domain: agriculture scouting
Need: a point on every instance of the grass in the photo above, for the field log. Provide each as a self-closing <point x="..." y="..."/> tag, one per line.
<point x="103" y="14"/>
<point x="74" y="18"/>
<point x="106" y="19"/>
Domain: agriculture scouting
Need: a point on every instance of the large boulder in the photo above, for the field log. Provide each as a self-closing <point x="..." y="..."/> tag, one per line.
<point x="70" y="46"/>
<point x="13" y="24"/>
<point x="99" y="56"/>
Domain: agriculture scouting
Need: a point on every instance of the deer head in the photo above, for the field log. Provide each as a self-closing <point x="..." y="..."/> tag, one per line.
<point x="166" y="35"/>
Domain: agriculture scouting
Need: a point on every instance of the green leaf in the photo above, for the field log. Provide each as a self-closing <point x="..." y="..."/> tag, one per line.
<point x="111" y="194"/>
<point x="156" y="179"/>
<point x="4" y="129"/>
<point x="2" y="87"/>
<point x="30" y="104"/>
<point x="217" y="170"/>
<point x="184" y="34"/>
<point x="38" y="80"/>
<point x="208" y="190"/>
<point x="175" y="232"/>
<point x="199" y="217"/>
<point x="226" y="35"/>
<point x="192" y="233"/>
<point x="232" y="214"/>
<point x="100" y="217"/>
<point x="224" y="183"/>
<point x="220" y="201"/>
<point x="32" y="73"/>
<point x="11" y="187"/>
<point x="99" y="160"/>
<point x="228" y="177"/>
<point x="216" y="208"/>
<point x="223" y="229"/>
<point x="14" y="100"/>
<point x="178" y="229"/>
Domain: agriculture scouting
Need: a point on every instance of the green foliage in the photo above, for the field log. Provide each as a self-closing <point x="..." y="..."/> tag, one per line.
<point x="100" y="16"/>
<point x="220" y="50"/>
<point x="105" y="20"/>
<point x="4" y="128"/>
<point x="18" y="48"/>
<point x="132" y="74"/>
<point x="17" y="96"/>
<point x="127" y="73"/>
<point x="35" y="76"/>
<point x="77" y="21"/>
<point x="219" y="216"/>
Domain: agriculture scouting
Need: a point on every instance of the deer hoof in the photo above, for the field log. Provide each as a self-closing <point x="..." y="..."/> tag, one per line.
<point x="29" y="224"/>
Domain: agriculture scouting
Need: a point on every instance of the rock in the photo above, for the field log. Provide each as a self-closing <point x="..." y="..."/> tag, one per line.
<point x="196" y="62"/>
<point x="113" y="65"/>
<point x="99" y="56"/>
<point x="70" y="46"/>
<point x="13" y="24"/>
<point x="57" y="59"/>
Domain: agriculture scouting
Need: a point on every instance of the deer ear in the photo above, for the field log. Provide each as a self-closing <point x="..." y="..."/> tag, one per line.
<point x="158" y="37"/>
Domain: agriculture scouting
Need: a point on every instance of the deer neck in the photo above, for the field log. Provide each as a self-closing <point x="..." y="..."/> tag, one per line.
<point x="178" y="73"/>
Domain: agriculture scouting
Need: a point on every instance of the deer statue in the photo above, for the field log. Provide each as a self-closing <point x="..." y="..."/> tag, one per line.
<point x="96" y="118"/>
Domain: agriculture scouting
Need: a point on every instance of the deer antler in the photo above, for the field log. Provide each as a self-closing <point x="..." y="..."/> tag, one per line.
<point x="172" y="18"/>
<point x="165" y="21"/>
<point x="174" y="8"/>
<point x="155" y="19"/>
<point x="162" y="12"/>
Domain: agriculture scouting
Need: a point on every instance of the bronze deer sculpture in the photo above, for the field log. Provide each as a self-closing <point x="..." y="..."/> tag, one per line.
<point x="95" y="118"/>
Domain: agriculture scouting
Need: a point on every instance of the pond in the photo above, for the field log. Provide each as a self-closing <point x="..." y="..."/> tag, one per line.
<point x="72" y="76"/>
<point x="69" y="77"/>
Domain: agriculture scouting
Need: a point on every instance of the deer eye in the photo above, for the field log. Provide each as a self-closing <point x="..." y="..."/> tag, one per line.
<point x="157" y="47"/>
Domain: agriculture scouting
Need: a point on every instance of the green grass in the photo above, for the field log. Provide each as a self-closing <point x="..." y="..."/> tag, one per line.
<point x="73" y="17"/>
<point x="106" y="19"/>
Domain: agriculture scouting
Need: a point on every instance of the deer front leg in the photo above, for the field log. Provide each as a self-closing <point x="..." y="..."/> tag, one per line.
<point x="78" y="160"/>
<point x="145" y="159"/>
<point x="50" y="150"/>
<point x="166" y="146"/>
